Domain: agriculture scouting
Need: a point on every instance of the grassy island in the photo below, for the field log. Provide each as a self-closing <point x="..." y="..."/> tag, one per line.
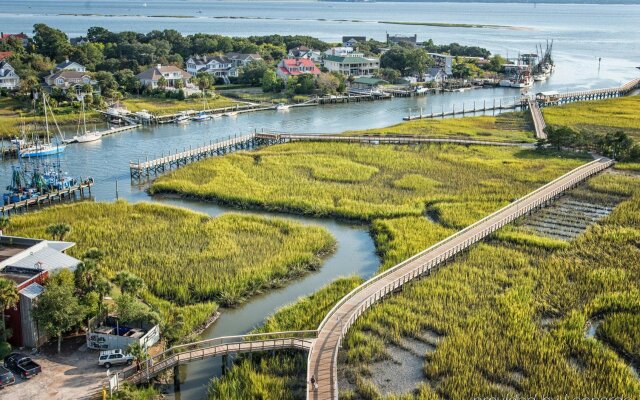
<point x="454" y="184"/>
<point x="187" y="259"/>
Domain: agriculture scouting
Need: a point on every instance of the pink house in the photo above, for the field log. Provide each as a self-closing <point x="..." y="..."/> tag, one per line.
<point x="294" y="67"/>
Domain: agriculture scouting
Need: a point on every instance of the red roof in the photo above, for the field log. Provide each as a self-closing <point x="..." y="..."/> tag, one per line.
<point x="18" y="35"/>
<point x="5" y="54"/>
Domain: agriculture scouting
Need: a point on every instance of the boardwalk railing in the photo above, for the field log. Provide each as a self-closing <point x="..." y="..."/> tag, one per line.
<point x="594" y="94"/>
<point x="376" y="139"/>
<point x="538" y="120"/>
<point x="422" y="263"/>
<point x="186" y="353"/>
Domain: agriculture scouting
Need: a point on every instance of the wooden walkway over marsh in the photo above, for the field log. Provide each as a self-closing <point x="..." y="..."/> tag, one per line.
<point x="324" y="343"/>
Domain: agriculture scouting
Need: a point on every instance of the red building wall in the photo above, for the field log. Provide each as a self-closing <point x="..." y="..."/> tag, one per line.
<point x="12" y="314"/>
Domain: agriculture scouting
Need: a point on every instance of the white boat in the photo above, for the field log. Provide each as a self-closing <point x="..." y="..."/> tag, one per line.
<point x="116" y="111"/>
<point x="231" y="114"/>
<point x="216" y="116"/>
<point x="201" y="116"/>
<point x="47" y="148"/>
<point x="182" y="118"/>
<point x="144" y="115"/>
<point x="523" y="82"/>
<point x="83" y="135"/>
<point x="505" y="83"/>
<point x="540" y="77"/>
<point x="421" y="90"/>
<point x="283" y="107"/>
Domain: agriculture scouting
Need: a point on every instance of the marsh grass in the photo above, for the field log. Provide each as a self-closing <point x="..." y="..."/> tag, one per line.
<point x="601" y="116"/>
<point x="161" y="106"/>
<point x="506" y="127"/>
<point x="363" y="182"/>
<point x="187" y="259"/>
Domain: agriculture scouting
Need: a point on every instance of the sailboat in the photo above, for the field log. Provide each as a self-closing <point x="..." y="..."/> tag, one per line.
<point x="84" y="135"/>
<point x="46" y="148"/>
<point x="202" y="115"/>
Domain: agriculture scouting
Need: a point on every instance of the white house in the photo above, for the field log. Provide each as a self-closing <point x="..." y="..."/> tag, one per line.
<point x="65" y="80"/>
<point x="355" y="64"/>
<point x="171" y="74"/>
<point x="9" y="79"/>
<point x="67" y="65"/>
<point x="305" y="52"/>
<point x="435" y="75"/>
<point x="224" y="66"/>
<point x="339" y="51"/>
<point x="444" y="61"/>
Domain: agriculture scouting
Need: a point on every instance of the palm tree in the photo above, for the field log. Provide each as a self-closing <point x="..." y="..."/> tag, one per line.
<point x="58" y="231"/>
<point x="9" y="297"/>
<point x="4" y="224"/>
<point x="139" y="354"/>
<point x="129" y="283"/>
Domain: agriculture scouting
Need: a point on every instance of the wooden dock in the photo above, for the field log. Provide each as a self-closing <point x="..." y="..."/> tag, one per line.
<point x="144" y="169"/>
<point x="476" y="108"/>
<point x="551" y="99"/>
<point x="538" y="120"/>
<point x="47" y="199"/>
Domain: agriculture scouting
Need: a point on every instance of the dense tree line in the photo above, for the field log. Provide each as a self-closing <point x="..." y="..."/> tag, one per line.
<point x="617" y="145"/>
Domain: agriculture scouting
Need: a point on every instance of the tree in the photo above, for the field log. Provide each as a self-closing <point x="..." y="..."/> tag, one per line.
<point x="388" y="74"/>
<point x="173" y="327"/>
<point x="9" y="297"/>
<point x="132" y="310"/>
<point x="253" y="73"/>
<point x="51" y="42"/>
<point x="496" y="62"/>
<point x="58" y="231"/>
<point x="271" y="82"/>
<point x="129" y="283"/>
<point x="57" y="310"/>
<point x="617" y="145"/>
<point x="560" y="136"/>
<point x="162" y="82"/>
<point x="108" y="84"/>
<point x="139" y="354"/>
<point x="203" y="80"/>
<point x="328" y="83"/>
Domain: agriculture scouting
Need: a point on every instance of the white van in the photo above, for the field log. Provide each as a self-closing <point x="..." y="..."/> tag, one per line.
<point x="114" y="357"/>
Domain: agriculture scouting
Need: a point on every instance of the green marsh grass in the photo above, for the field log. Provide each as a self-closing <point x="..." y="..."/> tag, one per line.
<point x="506" y="127"/>
<point x="457" y="184"/>
<point x="186" y="258"/>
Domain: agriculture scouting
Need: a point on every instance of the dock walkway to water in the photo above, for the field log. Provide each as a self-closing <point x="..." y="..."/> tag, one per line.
<point x="555" y="98"/>
<point x="538" y="120"/>
<point x="46" y="199"/>
<point x="516" y="104"/>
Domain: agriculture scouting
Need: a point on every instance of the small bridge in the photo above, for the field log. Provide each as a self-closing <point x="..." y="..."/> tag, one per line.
<point x="221" y="346"/>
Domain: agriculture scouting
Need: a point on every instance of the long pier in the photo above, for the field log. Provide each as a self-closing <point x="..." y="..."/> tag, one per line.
<point x="476" y="108"/>
<point x="144" y="169"/>
<point x="46" y="199"/>
<point x="549" y="99"/>
<point x="538" y="120"/>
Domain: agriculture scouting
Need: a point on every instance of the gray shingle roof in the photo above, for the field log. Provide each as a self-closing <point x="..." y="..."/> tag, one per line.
<point x="46" y="258"/>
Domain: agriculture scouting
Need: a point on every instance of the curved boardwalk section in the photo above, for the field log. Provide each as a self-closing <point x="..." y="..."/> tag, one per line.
<point x="322" y="367"/>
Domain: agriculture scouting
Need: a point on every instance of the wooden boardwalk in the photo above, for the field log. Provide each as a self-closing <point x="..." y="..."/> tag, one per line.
<point x="275" y="138"/>
<point x="324" y="353"/>
<point x="222" y="346"/>
<point x="583" y="95"/>
<point x="142" y="169"/>
<point x="538" y="120"/>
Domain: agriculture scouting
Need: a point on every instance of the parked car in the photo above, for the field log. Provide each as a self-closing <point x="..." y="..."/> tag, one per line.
<point x="6" y="377"/>
<point x="108" y="358"/>
<point x="22" y="365"/>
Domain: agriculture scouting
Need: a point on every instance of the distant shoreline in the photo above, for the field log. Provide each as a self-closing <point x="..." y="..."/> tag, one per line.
<point x="567" y="2"/>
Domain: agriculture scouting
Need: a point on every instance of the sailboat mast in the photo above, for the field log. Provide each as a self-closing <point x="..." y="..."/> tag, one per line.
<point x="46" y="118"/>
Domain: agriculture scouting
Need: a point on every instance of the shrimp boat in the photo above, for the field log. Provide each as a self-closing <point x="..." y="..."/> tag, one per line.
<point x="83" y="135"/>
<point x="45" y="148"/>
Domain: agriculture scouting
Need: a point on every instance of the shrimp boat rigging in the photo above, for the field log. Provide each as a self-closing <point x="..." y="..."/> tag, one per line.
<point x="46" y="148"/>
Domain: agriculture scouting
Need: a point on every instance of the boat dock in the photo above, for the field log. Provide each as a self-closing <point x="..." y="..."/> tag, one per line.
<point x="46" y="199"/>
<point x="144" y="169"/>
<point x="545" y="99"/>
<point x="476" y="108"/>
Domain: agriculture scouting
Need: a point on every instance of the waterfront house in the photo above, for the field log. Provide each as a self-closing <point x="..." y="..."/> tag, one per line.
<point x="224" y="67"/>
<point x="78" y="40"/>
<point x="303" y="52"/>
<point x="9" y="79"/>
<point x="65" y="80"/>
<point x="24" y="39"/>
<point x="5" y="54"/>
<point x="435" y="74"/>
<point x="171" y="74"/>
<point x="397" y="39"/>
<point x="28" y="262"/>
<point x="67" y="65"/>
<point x="355" y="64"/>
<point x="339" y="51"/>
<point x="444" y="61"/>
<point x="292" y="67"/>
<point x="352" y="41"/>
